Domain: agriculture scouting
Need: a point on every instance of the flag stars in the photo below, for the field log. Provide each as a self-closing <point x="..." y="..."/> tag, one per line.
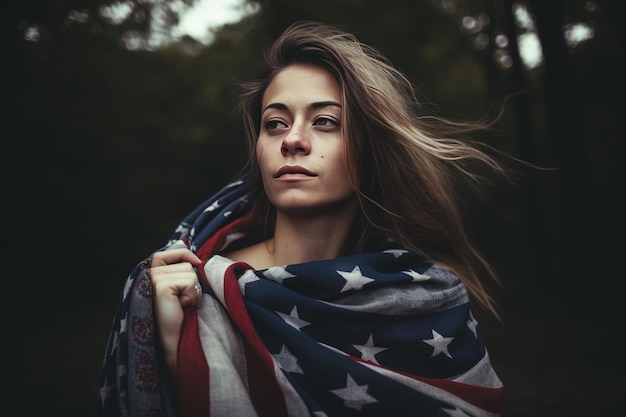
<point x="213" y="206"/>
<point x="124" y="323"/>
<point x="287" y="361"/>
<point x="396" y="252"/>
<point x="439" y="344"/>
<point x="278" y="274"/>
<point x="472" y="324"/>
<point x="248" y="277"/>
<point x="354" y="395"/>
<point x="369" y="351"/>
<point x="105" y="391"/>
<point x="180" y="229"/>
<point x="127" y="286"/>
<point x="416" y="276"/>
<point x="293" y="319"/>
<point x="355" y="280"/>
<point x="115" y="343"/>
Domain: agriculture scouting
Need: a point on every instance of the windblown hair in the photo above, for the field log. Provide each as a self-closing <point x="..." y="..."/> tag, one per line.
<point x="404" y="167"/>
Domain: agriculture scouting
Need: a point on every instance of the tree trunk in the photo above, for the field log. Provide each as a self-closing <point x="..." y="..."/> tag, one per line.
<point x="566" y="140"/>
<point x="538" y="237"/>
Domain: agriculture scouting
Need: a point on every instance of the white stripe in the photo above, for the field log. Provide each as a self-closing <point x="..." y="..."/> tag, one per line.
<point x="433" y="392"/>
<point x="214" y="270"/>
<point x="224" y="352"/>
<point x="295" y="406"/>
<point x="438" y="393"/>
<point x="482" y="374"/>
<point x="441" y="292"/>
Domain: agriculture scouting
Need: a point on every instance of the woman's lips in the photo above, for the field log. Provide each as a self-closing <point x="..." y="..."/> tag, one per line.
<point x="293" y="172"/>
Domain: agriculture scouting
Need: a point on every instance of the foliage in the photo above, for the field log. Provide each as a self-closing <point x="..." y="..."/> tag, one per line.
<point x="111" y="140"/>
<point x="152" y="131"/>
<point x="132" y="23"/>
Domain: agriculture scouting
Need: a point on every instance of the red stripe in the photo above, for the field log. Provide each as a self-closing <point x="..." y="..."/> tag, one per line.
<point x="192" y="373"/>
<point x="489" y="399"/>
<point x="214" y="243"/>
<point x="265" y="391"/>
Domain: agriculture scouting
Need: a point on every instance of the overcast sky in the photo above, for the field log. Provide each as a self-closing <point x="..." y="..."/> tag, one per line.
<point x="208" y="14"/>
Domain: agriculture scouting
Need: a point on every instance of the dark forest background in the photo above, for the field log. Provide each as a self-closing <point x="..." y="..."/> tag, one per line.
<point x="109" y="141"/>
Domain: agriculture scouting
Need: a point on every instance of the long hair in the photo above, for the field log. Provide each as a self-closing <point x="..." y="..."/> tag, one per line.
<point x="404" y="167"/>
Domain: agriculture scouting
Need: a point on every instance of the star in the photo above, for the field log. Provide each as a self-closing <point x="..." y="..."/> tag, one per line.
<point x="213" y="206"/>
<point x="129" y="283"/>
<point x="355" y="280"/>
<point x="278" y="274"/>
<point x="115" y="342"/>
<point x="248" y="277"/>
<point x="287" y="361"/>
<point x="439" y="344"/>
<point x="104" y="391"/>
<point x="396" y="252"/>
<point x="354" y="395"/>
<point x="417" y="277"/>
<point x="293" y="319"/>
<point x="121" y="372"/>
<point x="472" y="324"/>
<point x="124" y="323"/>
<point x="368" y="350"/>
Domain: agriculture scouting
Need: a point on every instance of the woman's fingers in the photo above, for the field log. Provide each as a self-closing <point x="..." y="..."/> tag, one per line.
<point x="175" y="256"/>
<point x="176" y="280"/>
<point x="183" y="267"/>
<point x="175" y="286"/>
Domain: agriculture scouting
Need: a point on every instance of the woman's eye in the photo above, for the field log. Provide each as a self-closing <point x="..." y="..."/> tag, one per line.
<point x="325" y="121"/>
<point x="274" y="124"/>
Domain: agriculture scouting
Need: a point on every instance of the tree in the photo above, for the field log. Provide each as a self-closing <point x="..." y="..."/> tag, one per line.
<point x="133" y="23"/>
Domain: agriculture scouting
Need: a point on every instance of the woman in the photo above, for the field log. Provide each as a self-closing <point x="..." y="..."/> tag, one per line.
<point x="333" y="278"/>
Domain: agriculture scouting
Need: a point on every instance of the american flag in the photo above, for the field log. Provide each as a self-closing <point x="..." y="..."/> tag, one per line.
<point x="375" y="334"/>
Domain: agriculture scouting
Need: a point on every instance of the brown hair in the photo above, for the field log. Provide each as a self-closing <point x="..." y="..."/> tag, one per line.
<point x="404" y="167"/>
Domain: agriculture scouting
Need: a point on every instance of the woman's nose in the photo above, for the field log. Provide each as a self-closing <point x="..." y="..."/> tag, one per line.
<point x="296" y="141"/>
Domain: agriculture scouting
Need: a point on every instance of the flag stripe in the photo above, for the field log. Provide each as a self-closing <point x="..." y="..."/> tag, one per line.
<point x="477" y="397"/>
<point x="193" y="372"/>
<point x="265" y="391"/>
<point x="375" y="333"/>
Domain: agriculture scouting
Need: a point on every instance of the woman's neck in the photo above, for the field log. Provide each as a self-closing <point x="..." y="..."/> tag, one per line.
<point x="301" y="237"/>
<point x="308" y="238"/>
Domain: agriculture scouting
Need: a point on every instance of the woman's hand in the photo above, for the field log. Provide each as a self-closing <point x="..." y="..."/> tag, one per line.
<point x="175" y="286"/>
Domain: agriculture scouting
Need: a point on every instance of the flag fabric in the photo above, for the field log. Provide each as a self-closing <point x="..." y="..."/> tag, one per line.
<point x="382" y="333"/>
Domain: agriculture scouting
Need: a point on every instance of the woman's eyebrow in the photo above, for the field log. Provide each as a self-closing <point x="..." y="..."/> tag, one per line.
<point x="278" y="106"/>
<point x="321" y="104"/>
<point x="313" y="106"/>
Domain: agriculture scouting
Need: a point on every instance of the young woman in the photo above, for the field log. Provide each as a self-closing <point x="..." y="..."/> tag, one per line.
<point x="333" y="278"/>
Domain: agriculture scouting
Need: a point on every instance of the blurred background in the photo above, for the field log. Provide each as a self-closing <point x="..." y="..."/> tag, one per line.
<point x="120" y="118"/>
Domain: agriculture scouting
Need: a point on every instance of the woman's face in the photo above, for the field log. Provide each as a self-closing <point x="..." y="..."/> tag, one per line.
<point x="300" y="149"/>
